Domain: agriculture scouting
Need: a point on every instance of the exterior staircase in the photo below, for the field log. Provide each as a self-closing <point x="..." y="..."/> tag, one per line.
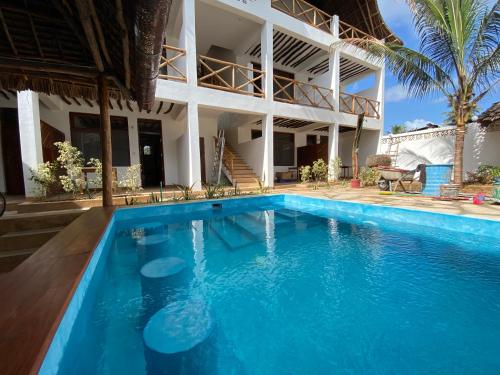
<point x="237" y="170"/>
<point x="21" y="234"/>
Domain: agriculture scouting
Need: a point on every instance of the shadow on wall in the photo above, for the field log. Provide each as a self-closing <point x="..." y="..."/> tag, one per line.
<point x="434" y="151"/>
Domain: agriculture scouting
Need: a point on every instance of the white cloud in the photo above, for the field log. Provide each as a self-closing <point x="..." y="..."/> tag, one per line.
<point x="415" y="124"/>
<point x="395" y="94"/>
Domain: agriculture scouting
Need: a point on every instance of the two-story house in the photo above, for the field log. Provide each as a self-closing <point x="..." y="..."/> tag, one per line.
<point x="270" y="76"/>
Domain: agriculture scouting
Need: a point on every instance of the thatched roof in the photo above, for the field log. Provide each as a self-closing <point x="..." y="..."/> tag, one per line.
<point x="363" y="14"/>
<point x="491" y="116"/>
<point x="61" y="47"/>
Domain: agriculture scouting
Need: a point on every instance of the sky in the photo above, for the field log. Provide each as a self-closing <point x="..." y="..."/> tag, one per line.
<point x="399" y="108"/>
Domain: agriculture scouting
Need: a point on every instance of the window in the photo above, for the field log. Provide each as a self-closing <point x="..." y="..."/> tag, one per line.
<point x="284" y="149"/>
<point x="323" y="139"/>
<point x="311" y="139"/>
<point x="85" y="134"/>
<point x="256" y="133"/>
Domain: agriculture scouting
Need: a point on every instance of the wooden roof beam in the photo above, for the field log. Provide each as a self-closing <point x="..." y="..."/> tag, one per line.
<point x="86" y="20"/>
<point x="7" y="33"/>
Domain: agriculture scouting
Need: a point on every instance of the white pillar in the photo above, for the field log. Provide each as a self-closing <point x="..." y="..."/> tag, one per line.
<point x="335" y="26"/>
<point x="268" y="162"/>
<point x="187" y="40"/>
<point x="380" y="82"/>
<point x="133" y="140"/>
<point x="333" y="147"/>
<point x="334" y="75"/>
<point x="267" y="58"/>
<point x="30" y="136"/>
<point x="267" y="122"/>
<point x="193" y="134"/>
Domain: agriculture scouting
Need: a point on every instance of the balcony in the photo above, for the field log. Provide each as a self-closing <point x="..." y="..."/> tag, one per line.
<point x="172" y="64"/>
<point x="358" y="105"/>
<point x="305" y="12"/>
<point x="288" y="90"/>
<point x="347" y="31"/>
<point x="228" y="76"/>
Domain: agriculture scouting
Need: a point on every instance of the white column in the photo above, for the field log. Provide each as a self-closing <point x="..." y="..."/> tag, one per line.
<point x="267" y="121"/>
<point x="193" y="134"/>
<point x="268" y="162"/>
<point x="334" y="75"/>
<point x="335" y="26"/>
<point x="380" y="82"/>
<point x="266" y="38"/>
<point x="187" y="40"/>
<point x="30" y="136"/>
<point x="133" y="140"/>
<point x="333" y="147"/>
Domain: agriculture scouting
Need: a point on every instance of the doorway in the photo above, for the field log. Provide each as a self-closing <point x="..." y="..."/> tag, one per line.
<point x="11" y="149"/>
<point x="151" y="152"/>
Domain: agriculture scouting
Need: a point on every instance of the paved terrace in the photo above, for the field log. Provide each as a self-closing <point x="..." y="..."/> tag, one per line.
<point x="417" y="202"/>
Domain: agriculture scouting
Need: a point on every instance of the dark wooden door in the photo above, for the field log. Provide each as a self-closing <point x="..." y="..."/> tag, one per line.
<point x="202" y="160"/>
<point x="306" y="155"/>
<point x="50" y="135"/>
<point x="11" y="147"/>
<point x="151" y="152"/>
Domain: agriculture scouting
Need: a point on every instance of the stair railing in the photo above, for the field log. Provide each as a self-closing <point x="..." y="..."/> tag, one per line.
<point x="219" y="154"/>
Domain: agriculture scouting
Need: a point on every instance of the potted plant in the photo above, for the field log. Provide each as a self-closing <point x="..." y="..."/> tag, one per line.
<point x="355" y="182"/>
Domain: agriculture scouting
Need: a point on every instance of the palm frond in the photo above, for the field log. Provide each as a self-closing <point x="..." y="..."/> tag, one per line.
<point x="487" y="35"/>
<point x="419" y="74"/>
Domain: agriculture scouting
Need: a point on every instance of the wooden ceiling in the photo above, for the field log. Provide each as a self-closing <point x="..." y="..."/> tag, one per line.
<point x="348" y="69"/>
<point x="61" y="47"/>
<point x="288" y="50"/>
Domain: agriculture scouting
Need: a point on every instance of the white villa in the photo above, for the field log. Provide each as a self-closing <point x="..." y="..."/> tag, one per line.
<point x="268" y="75"/>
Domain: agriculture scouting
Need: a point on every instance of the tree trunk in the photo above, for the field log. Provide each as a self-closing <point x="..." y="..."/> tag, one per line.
<point x="458" y="160"/>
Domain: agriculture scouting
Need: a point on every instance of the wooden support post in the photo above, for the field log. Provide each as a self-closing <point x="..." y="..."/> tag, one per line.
<point x="107" y="168"/>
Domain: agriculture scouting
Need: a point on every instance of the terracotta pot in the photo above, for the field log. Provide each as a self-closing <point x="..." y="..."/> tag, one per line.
<point x="355" y="183"/>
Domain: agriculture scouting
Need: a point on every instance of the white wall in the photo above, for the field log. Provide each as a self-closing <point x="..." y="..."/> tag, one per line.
<point x="368" y="144"/>
<point x="436" y="146"/>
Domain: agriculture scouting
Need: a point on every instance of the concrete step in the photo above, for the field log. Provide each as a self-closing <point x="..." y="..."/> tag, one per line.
<point x="38" y="220"/>
<point x="26" y="239"/>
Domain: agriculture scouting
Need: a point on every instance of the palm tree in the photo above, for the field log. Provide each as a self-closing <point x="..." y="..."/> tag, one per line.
<point x="398" y="129"/>
<point x="458" y="57"/>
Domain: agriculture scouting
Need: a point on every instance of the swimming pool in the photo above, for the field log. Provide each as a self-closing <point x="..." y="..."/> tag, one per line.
<point x="285" y="284"/>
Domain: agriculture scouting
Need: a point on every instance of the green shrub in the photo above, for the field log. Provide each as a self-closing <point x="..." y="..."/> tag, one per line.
<point x="70" y="160"/>
<point x="484" y="174"/>
<point x="305" y="173"/>
<point x="320" y="170"/>
<point x="335" y="166"/>
<point x="368" y="176"/>
<point x="131" y="181"/>
<point x="213" y="191"/>
<point x="44" y="177"/>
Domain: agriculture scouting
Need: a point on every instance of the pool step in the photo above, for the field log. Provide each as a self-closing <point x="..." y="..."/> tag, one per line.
<point x="11" y="259"/>
<point x="23" y="234"/>
<point x="232" y="234"/>
<point x="27" y="238"/>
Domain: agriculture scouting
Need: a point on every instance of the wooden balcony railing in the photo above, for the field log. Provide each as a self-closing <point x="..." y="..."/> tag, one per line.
<point x="171" y="65"/>
<point x="288" y="90"/>
<point x="305" y="12"/>
<point x="358" y="105"/>
<point x="347" y="31"/>
<point x="228" y="76"/>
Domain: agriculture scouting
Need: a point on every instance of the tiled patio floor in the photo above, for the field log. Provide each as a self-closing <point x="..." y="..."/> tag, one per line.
<point x="417" y="202"/>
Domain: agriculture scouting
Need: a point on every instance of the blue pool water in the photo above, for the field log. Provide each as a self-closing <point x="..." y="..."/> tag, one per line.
<point x="287" y="287"/>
